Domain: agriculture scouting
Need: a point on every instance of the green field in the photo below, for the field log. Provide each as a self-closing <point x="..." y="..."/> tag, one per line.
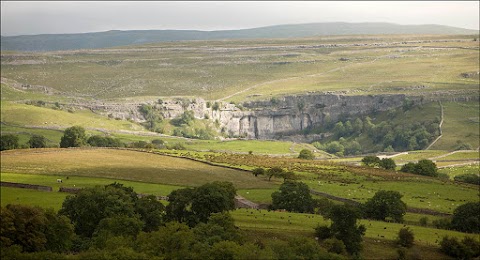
<point x="123" y="165"/>
<point x="461" y="123"/>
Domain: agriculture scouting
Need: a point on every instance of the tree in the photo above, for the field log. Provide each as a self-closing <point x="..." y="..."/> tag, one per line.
<point x="258" y="171"/>
<point x="344" y="227"/>
<point x="73" y="137"/>
<point x="405" y="237"/>
<point x="293" y="196"/>
<point x="334" y="148"/>
<point x="192" y="206"/>
<point x="466" y="218"/>
<point x="408" y="167"/>
<point x="219" y="227"/>
<point x="306" y="154"/>
<point x="8" y="142"/>
<point x="37" y="141"/>
<point x="426" y="167"/>
<point x="151" y="212"/>
<point x="274" y="172"/>
<point x="213" y="198"/>
<point x="371" y="161"/>
<point x="88" y="207"/>
<point x="468" y="178"/>
<point x="35" y="229"/>
<point x="386" y="204"/>
<point x="388" y="164"/>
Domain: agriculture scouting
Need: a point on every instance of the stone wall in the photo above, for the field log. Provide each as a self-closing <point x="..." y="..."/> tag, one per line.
<point x="25" y="186"/>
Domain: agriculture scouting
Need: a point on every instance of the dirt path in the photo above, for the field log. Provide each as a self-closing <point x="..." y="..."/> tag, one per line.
<point x="439" y="126"/>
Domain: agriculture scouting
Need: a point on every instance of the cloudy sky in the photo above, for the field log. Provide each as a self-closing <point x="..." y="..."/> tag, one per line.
<point x="20" y="18"/>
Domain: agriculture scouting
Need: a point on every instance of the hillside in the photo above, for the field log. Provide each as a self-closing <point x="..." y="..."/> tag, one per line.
<point x="52" y="42"/>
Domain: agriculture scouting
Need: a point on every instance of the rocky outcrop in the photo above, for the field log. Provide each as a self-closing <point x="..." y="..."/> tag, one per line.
<point x="268" y="119"/>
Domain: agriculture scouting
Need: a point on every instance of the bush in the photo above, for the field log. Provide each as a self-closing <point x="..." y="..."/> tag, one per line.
<point x="388" y="164"/>
<point x="9" y="142"/>
<point x="466" y="249"/>
<point x="468" y="178"/>
<point x="386" y="204"/>
<point x="37" y="141"/>
<point x="323" y="232"/>
<point x="423" y="221"/>
<point x="306" y="154"/>
<point x="405" y="237"/>
<point x="371" y="161"/>
<point x="466" y="218"/>
<point x="334" y="245"/>
<point x="293" y="196"/>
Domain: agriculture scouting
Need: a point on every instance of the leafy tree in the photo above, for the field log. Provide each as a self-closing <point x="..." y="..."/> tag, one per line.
<point x="371" y="161"/>
<point x="426" y="167"/>
<point x="405" y="237"/>
<point x="344" y="227"/>
<point x="293" y="196"/>
<point x="103" y="141"/>
<point x="339" y="129"/>
<point x="172" y="241"/>
<point x="388" y="164"/>
<point x="8" y="142"/>
<point x="334" y="148"/>
<point x="258" y="171"/>
<point x="408" y="167"/>
<point x="73" y="137"/>
<point x="213" y="198"/>
<point x="196" y="205"/>
<point x="116" y="226"/>
<point x="88" y="207"/>
<point x="466" y="218"/>
<point x="37" y="141"/>
<point x="468" y="248"/>
<point x="357" y="126"/>
<point x="306" y="154"/>
<point x="352" y="148"/>
<point x="219" y="227"/>
<point x="151" y="212"/>
<point x="35" y="229"/>
<point x="386" y="204"/>
<point x="274" y="172"/>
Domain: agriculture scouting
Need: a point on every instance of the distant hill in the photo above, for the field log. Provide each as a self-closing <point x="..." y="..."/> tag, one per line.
<point x="52" y="42"/>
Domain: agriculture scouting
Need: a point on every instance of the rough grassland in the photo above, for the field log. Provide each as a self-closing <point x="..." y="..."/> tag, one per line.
<point x="28" y="115"/>
<point x="123" y="165"/>
<point x="461" y="123"/>
<point x="217" y="69"/>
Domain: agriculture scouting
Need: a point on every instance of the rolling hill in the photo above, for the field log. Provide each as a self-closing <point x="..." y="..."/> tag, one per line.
<point x="53" y="42"/>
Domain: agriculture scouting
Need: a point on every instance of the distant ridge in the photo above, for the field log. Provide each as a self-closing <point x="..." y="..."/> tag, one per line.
<point x="53" y="42"/>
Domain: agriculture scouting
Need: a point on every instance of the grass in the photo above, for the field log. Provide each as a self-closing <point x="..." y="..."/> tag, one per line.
<point x="42" y="199"/>
<point x="123" y="165"/>
<point x="431" y="195"/>
<point x="461" y="123"/>
<point x="458" y="170"/>
<point x="29" y="115"/>
<point x="297" y="222"/>
<point x="461" y="156"/>
<point x="86" y="182"/>
<point x="243" y="146"/>
<point x="215" y="69"/>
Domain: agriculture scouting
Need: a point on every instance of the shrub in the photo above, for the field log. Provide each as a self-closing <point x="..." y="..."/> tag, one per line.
<point x="371" y="161"/>
<point x="306" y="154"/>
<point x="8" y="142"/>
<point x="468" y="178"/>
<point x="323" y="232"/>
<point x="388" y="164"/>
<point x="423" y="221"/>
<point x="466" y="218"/>
<point x="405" y="237"/>
<point x="466" y="249"/>
<point x="335" y="245"/>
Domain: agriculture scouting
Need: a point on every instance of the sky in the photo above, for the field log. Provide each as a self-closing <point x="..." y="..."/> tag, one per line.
<point x="47" y="17"/>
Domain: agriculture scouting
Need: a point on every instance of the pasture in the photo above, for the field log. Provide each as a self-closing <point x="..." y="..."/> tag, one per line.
<point x="123" y="165"/>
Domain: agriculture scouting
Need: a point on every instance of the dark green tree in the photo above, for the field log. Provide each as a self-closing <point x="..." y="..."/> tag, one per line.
<point x="219" y="227"/>
<point x="8" y="142"/>
<point x="213" y="198"/>
<point x="388" y="164"/>
<point x="37" y="141"/>
<point x="371" y="161"/>
<point x="274" y="172"/>
<point x="179" y="204"/>
<point x="258" y="171"/>
<point x="426" y="167"/>
<point x="293" y="196"/>
<point x="386" y="204"/>
<point x="306" y="154"/>
<point x="73" y="137"/>
<point x="408" y="167"/>
<point x="151" y="212"/>
<point x="88" y="207"/>
<point x="466" y="218"/>
<point x="405" y="237"/>
<point x="344" y="227"/>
